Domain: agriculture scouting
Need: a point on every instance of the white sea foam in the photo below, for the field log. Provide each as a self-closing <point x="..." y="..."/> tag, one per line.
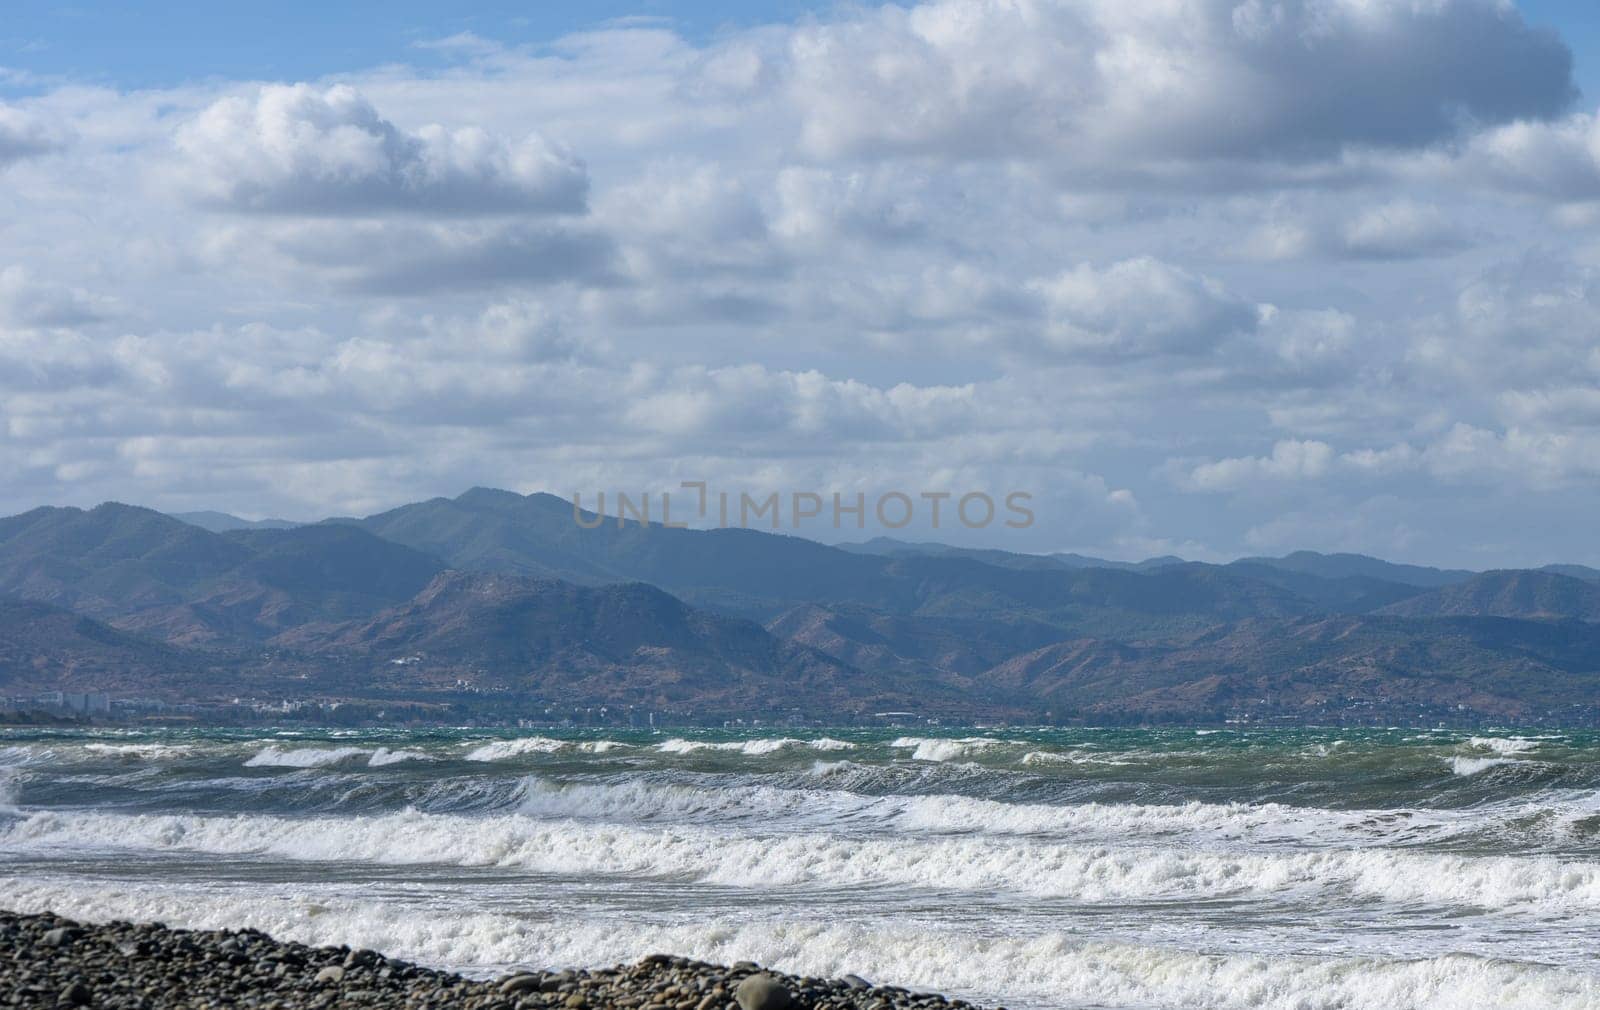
<point x="1503" y="745"/>
<point x="272" y="756"/>
<point x="504" y="750"/>
<point x="1474" y="765"/>
<point x="25" y="754"/>
<point x="980" y="864"/>
<point x="1207" y="824"/>
<point x="500" y="750"/>
<point x="384" y="756"/>
<point x="753" y="748"/>
<point x="1046" y="969"/>
<point x="945" y="749"/>
<point x="305" y="757"/>
<point x="829" y="743"/>
<point x="140" y="751"/>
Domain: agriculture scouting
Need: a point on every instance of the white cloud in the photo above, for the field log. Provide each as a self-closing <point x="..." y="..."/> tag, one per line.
<point x="303" y="150"/>
<point x="25" y="135"/>
<point x="1559" y="160"/>
<point x="1137" y="308"/>
<point x="1530" y="458"/>
<point x="418" y="258"/>
<point x="1094" y="81"/>
<point x="1291" y="460"/>
<point x="26" y="301"/>
<point x="1394" y="230"/>
<point x="1399" y="230"/>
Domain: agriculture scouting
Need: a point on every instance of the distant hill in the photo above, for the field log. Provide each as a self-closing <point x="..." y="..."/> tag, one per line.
<point x="761" y="575"/>
<point x="1340" y="594"/>
<point x="1535" y="595"/>
<point x="888" y="547"/>
<point x="143" y="571"/>
<point x="44" y="647"/>
<point x="949" y="650"/>
<point x="616" y="644"/>
<point x="1313" y="667"/>
<point x="494" y="592"/>
<point x="222" y="522"/>
<point x="1340" y="566"/>
<point x="110" y="560"/>
<point x="1583" y="572"/>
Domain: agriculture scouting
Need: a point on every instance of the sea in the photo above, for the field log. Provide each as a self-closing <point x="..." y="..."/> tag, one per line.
<point x="1299" y="869"/>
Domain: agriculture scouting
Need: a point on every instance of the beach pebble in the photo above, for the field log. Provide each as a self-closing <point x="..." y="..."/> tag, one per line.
<point x="46" y="961"/>
<point x="762" y="992"/>
<point x="521" y="983"/>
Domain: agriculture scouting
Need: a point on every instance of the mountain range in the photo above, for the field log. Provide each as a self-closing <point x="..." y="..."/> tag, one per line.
<point x="502" y="594"/>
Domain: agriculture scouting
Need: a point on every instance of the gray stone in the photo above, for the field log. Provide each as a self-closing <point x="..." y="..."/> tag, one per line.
<point x="762" y="992"/>
<point x="856" y="982"/>
<point x="76" y="994"/>
<point x="520" y="983"/>
<point x="332" y="973"/>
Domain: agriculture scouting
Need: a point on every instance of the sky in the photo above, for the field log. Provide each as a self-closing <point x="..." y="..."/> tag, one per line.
<point x="1205" y="277"/>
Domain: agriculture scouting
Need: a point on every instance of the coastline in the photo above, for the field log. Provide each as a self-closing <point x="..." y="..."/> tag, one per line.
<point x="48" y="960"/>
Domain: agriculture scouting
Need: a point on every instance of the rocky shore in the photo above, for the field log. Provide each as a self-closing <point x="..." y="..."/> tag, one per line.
<point x="48" y="962"/>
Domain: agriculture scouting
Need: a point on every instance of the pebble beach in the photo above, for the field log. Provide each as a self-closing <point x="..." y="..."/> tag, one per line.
<point x="50" y="961"/>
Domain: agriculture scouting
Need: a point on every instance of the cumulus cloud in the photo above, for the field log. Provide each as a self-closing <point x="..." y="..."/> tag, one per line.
<point x="412" y="258"/>
<point x="1394" y="230"/>
<point x="26" y="301"/>
<point x="1092" y="80"/>
<point x="24" y="135"/>
<point x="1538" y="458"/>
<point x="1290" y="460"/>
<point x="303" y="150"/>
<point x="1559" y="160"/>
<point x="1137" y="308"/>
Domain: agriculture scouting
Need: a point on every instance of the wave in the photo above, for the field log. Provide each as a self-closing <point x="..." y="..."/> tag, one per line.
<point x="272" y="756"/>
<point x="1503" y="745"/>
<point x="1473" y="765"/>
<point x="962" y="863"/>
<point x="304" y="757"/>
<point x="16" y="755"/>
<point x="500" y="750"/>
<point x="651" y="799"/>
<point x="829" y="743"/>
<point x="503" y="750"/>
<point x="384" y="756"/>
<point x="1050" y="969"/>
<point x="140" y="751"/>
<point x="946" y="749"/>
<point x="10" y="788"/>
<point x="757" y="747"/>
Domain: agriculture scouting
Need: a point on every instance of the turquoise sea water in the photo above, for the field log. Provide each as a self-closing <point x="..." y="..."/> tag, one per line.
<point x="1110" y="868"/>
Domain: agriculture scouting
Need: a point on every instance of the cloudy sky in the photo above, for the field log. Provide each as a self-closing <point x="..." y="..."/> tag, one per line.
<point x="1210" y="277"/>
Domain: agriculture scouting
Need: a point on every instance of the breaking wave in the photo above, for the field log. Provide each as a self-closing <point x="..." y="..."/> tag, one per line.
<point x="1051" y="968"/>
<point x="959" y="863"/>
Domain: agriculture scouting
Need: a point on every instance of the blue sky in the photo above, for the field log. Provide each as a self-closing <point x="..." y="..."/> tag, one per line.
<point x="141" y="45"/>
<point x="1207" y="277"/>
<point x="130" y="45"/>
